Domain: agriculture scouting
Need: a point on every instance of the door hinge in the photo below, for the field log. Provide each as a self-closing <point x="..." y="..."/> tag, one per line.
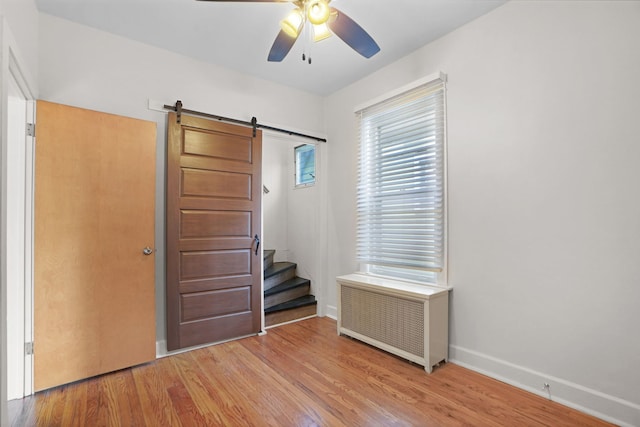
<point x="31" y="129"/>
<point x="28" y="348"/>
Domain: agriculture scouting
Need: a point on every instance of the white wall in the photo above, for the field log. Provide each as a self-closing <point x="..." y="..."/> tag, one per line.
<point x="92" y="69"/>
<point x="543" y="107"/>
<point x="304" y="237"/>
<point x="275" y="212"/>
<point x="21" y="17"/>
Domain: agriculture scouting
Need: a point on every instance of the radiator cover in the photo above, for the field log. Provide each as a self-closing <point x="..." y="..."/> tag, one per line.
<point x="408" y="320"/>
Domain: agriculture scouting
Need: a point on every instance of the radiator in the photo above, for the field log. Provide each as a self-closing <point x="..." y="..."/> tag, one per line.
<point x="408" y="320"/>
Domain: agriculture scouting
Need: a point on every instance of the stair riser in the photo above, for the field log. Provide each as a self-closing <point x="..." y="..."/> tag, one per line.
<point x="276" y="279"/>
<point x="289" y="315"/>
<point x="268" y="260"/>
<point x="290" y="294"/>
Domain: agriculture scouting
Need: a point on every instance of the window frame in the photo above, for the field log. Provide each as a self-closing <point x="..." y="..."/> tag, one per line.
<point x="415" y="275"/>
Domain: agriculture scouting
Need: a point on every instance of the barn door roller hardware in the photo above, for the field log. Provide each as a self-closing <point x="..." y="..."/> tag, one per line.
<point x="252" y="124"/>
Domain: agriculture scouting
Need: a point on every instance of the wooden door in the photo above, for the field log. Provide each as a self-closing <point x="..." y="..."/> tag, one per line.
<point x="214" y="190"/>
<point x="94" y="291"/>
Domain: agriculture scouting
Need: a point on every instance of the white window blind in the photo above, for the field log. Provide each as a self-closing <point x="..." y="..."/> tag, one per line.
<point x="401" y="205"/>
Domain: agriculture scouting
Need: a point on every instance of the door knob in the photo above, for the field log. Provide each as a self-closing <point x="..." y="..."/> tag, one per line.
<point x="147" y="251"/>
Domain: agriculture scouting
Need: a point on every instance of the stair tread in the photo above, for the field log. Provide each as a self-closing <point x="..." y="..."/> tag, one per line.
<point x="294" y="303"/>
<point x="285" y="286"/>
<point x="278" y="267"/>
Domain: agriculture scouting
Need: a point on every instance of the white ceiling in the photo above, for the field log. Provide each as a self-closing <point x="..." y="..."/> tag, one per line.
<point x="239" y="35"/>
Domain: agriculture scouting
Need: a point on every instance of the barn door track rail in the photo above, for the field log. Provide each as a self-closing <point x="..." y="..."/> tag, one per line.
<point x="252" y="124"/>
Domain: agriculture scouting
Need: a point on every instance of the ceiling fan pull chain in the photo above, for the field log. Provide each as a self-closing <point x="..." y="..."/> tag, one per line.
<point x="308" y="42"/>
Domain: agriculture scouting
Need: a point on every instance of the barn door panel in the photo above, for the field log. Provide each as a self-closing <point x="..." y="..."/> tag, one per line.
<point x="213" y="231"/>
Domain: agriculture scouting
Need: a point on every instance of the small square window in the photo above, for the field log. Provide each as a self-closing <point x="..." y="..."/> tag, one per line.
<point x="305" y="165"/>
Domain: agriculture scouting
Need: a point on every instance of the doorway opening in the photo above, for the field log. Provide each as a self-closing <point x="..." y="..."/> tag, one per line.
<point x="292" y="218"/>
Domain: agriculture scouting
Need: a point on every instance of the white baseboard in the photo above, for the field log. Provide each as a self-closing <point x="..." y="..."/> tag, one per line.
<point x="584" y="399"/>
<point x="332" y="312"/>
<point x="161" y="349"/>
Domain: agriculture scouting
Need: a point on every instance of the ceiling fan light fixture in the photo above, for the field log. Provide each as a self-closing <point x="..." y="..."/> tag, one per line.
<point x="318" y="11"/>
<point x="321" y="32"/>
<point x="292" y="24"/>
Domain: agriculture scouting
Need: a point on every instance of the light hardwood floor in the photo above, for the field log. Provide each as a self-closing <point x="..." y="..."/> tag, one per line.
<point x="300" y="374"/>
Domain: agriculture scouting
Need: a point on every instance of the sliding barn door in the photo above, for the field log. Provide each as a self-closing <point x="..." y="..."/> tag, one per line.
<point x="94" y="291"/>
<point x="214" y="193"/>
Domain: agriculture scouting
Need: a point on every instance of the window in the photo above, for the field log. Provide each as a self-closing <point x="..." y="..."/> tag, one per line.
<point x="401" y="185"/>
<point x="305" y="165"/>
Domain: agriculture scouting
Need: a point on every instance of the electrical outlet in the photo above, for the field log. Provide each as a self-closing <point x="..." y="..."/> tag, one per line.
<point x="547" y="387"/>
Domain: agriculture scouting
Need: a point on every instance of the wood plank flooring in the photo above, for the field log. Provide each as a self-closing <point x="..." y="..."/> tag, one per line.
<point x="299" y="374"/>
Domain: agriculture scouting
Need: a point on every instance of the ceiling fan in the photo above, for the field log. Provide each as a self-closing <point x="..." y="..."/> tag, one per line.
<point x="324" y="20"/>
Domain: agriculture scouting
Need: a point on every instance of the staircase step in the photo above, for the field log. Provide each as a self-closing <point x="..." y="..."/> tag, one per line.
<point x="268" y="257"/>
<point x="286" y="291"/>
<point x="279" y="272"/>
<point x="285" y="286"/>
<point x="298" y="302"/>
<point x="291" y="310"/>
<point x="278" y="267"/>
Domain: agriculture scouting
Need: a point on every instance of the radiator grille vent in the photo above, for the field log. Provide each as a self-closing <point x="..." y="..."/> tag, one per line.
<point x="389" y="319"/>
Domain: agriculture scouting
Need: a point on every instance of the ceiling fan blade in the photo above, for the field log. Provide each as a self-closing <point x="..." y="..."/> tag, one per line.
<point x="352" y="34"/>
<point x="281" y="47"/>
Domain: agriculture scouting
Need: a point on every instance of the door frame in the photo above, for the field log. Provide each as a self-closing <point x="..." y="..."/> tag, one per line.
<point x="21" y="320"/>
<point x="19" y="289"/>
